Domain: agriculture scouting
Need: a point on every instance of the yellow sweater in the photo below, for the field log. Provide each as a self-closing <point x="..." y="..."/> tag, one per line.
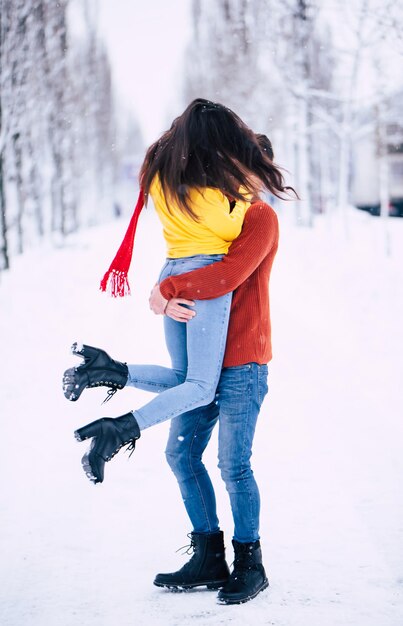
<point x="212" y="234"/>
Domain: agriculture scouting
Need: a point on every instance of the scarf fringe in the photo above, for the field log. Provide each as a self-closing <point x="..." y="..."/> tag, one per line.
<point x="116" y="284"/>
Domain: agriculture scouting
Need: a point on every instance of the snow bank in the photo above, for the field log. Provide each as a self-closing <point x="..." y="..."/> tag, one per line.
<point x="327" y="453"/>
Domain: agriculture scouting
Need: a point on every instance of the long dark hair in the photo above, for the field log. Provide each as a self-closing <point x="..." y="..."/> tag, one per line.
<point x="209" y="146"/>
<point x="265" y="145"/>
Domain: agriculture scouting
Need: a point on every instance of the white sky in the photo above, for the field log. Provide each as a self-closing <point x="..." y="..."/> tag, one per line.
<point x="146" y="41"/>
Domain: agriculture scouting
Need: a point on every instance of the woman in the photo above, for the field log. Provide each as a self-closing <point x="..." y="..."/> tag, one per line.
<point x="207" y="157"/>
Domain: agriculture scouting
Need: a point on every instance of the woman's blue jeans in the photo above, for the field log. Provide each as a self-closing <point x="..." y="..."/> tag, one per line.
<point x="196" y="349"/>
<point x="239" y="396"/>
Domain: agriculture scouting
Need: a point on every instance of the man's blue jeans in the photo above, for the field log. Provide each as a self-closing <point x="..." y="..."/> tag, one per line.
<point x="196" y="349"/>
<point x="239" y="396"/>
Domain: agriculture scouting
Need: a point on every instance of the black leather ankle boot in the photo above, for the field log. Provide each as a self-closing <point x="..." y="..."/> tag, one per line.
<point x="98" y="370"/>
<point x="109" y="435"/>
<point x="248" y="577"/>
<point x="207" y="567"/>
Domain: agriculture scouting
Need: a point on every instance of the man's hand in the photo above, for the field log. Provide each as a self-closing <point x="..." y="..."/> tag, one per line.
<point x="177" y="312"/>
<point x="157" y="302"/>
<point x="173" y="308"/>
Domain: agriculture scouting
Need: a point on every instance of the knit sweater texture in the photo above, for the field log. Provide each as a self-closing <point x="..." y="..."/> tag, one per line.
<point x="245" y="270"/>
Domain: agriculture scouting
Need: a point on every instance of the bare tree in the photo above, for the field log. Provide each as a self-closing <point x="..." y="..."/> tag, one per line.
<point x="4" y="255"/>
<point x="58" y="132"/>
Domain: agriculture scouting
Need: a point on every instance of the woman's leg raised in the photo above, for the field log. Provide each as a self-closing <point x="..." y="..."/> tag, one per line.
<point x="156" y="378"/>
<point x="196" y="349"/>
<point x="206" y="336"/>
<point x="201" y="344"/>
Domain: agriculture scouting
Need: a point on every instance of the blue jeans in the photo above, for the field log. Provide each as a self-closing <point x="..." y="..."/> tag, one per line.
<point x="196" y="349"/>
<point x="240" y="393"/>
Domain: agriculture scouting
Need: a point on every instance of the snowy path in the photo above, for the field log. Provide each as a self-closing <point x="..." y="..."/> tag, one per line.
<point x="328" y="453"/>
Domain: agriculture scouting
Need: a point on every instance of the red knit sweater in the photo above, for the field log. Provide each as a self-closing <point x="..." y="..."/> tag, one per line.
<point x="246" y="271"/>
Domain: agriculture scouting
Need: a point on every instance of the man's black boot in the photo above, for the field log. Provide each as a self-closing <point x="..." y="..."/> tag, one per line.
<point x="248" y="577"/>
<point x="109" y="435"/>
<point x="207" y="567"/>
<point x="98" y="370"/>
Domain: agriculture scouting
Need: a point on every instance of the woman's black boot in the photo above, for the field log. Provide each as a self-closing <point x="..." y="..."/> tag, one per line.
<point x="98" y="370"/>
<point x="207" y="567"/>
<point x="109" y="436"/>
<point x="248" y="577"/>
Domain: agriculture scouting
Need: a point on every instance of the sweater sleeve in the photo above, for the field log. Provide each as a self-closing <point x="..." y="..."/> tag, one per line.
<point x="259" y="235"/>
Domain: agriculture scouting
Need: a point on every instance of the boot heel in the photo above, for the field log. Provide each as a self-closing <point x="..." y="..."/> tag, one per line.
<point x="77" y="349"/>
<point x="86" y="432"/>
<point x="88" y="353"/>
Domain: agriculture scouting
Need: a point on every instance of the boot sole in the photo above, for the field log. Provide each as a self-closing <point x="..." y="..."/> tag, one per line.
<point x="85" y="462"/>
<point x="71" y="389"/>
<point x="211" y="585"/>
<point x="243" y="600"/>
<point x="88" y="471"/>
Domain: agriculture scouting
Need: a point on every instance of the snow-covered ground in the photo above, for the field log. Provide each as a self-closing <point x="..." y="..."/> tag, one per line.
<point x="328" y="452"/>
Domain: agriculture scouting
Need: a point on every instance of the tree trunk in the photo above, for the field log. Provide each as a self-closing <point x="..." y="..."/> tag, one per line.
<point x="35" y="190"/>
<point x="344" y="166"/>
<point x="383" y="173"/>
<point x="4" y="258"/>
<point x="20" y="192"/>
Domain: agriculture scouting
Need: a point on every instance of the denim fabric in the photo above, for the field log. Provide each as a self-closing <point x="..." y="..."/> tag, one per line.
<point x="196" y="349"/>
<point x="240" y="396"/>
<point x="240" y="393"/>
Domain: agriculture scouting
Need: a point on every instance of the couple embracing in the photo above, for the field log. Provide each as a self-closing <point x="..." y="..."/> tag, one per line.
<point x="205" y="176"/>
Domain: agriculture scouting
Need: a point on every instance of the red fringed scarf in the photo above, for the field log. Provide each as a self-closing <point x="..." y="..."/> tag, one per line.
<point x="116" y="279"/>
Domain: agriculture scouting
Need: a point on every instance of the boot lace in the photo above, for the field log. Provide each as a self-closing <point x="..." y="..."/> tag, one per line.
<point x="130" y="448"/>
<point x="189" y="548"/>
<point x="110" y="393"/>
